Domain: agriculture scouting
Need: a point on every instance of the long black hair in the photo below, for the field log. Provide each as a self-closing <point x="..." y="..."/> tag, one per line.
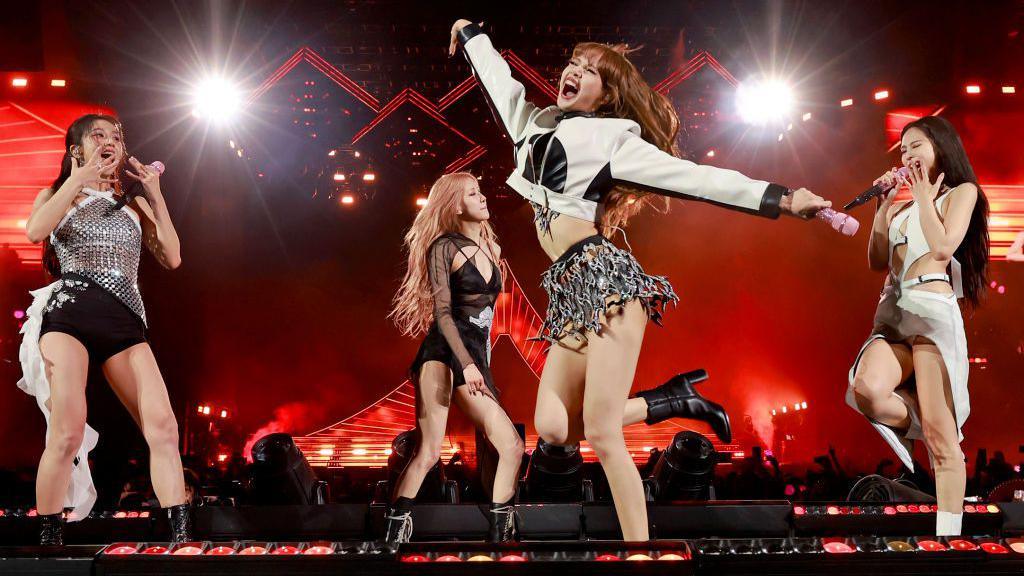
<point x="75" y="136"/>
<point x="951" y="159"/>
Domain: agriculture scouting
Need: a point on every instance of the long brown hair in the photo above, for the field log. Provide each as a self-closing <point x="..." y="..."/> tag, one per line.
<point x="629" y="96"/>
<point x="75" y="136"/>
<point x="413" y="306"/>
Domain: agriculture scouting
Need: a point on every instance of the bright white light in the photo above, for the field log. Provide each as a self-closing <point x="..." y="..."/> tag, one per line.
<point x="216" y="99"/>
<point x="764" y="101"/>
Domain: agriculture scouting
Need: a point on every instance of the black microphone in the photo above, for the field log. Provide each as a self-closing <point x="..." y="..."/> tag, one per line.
<point x="876" y="190"/>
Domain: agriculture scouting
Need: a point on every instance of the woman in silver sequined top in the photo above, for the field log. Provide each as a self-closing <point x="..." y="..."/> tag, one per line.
<point x="94" y="313"/>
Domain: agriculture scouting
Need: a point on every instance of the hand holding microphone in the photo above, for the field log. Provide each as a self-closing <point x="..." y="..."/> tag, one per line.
<point x="882" y="185"/>
<point x="146" y="177"/>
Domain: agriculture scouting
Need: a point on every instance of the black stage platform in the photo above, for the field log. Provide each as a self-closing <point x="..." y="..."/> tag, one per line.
<point x="698" y="538"/>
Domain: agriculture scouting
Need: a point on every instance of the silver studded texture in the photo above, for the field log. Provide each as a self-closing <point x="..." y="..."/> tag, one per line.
<point x="103" y="243"/>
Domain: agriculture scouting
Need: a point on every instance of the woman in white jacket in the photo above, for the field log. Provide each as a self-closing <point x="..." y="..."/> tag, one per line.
<point x="586" y="166"/>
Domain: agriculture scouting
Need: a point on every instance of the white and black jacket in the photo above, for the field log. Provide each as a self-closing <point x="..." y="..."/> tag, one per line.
<point x="581" y="157"/>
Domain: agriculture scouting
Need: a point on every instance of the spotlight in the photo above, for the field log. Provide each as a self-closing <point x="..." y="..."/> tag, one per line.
<point x="1009" y="89"/>
<point x="762" y="102"/>
<point x="846" y="103"/>
<point x="711" y="154"/>
<point x="881" y="94"/>
<point x="421" y="201"/>
<point x="58" y="83"/>
<point x="348" y="199"/>
<point x="369" y="177"/>
<point x="216" y="99"/>
<point x="555" y="474"/>
<point x="973" y="89"/>
<point x="280" y="474"/>
<point x="685" y="470"/>
<point x="339" y="177"/>
<point x="807" y="116"/>
<point x="19" y="82"/>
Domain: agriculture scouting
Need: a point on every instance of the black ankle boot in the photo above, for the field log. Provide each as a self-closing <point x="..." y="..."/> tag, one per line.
<point x="399" y="526"/>
<point x="51" y="529"/>
<point x="503" y="523"/>
<point x="677" y="399"/>
<point x="180" y="517"/>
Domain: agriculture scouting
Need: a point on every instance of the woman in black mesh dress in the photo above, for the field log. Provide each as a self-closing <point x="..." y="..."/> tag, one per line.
<point x="448" y="292"/>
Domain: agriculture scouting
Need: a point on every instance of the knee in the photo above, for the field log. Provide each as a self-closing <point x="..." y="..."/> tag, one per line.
<point x="161" y="431"/>
<point x="604" y="437"/>
<point x="869" y="391"/>
<point x="551" y="429"/>
<point x="511" y="448"/>
<point x="426" y="456"/>
<point x="65" y="442"/>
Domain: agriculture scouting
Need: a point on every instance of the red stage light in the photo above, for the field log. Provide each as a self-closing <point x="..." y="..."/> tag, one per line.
<point x="58" y="83"/>
<point x="1009" y="89"/>
<point x="252" y="551"/>
<point x="319" y="550"/>
<point x="220" y="551"/>
<point x="512" y="558"/>
<point x="222" y="457"/>
<point x="369" y="177"/>
<point x="480" y="558"/>
<point x="155" y="550"/>
<point x="133" y="514"/>
<point x="672" y="556"/>
<point x="969" y="508"/>
<point x="638" y="557"/>
<point x="144" y="514"/>
<point x="994" y="548"/>
<point x="838" y="548"/>
<point x="833" y="510"/>
<point x="1016" y="545"/>
<point x="913" y="508"/>
<point x="285" y="550"/>
<point x="448" y="558"/>
<point x="189" y="550"/>
<point x="846" y="103"/>
<point x="901" y="508"/>
<point x="421" y="201"/>
<point x="223" y="413"/>
<point x="415" y="558"/>
<point x="889" y="511"/>
<point x="347" y="199"/>
<point x="19" y="82"/>
<point x="121" y="549"/>
<point x="881" y="94"/>
<point x="711" y="154"/>
<point x="799" y="510"/>
<point x="607" y="558"/>
<point x="120" y="514"/>
<point x="963" y="545"/>
<point x="973" y="89"/>
<point x="931" y="546"/>
<point x="339" y="177"/>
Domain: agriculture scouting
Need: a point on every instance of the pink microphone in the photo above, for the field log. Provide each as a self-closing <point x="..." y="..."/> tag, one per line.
<point x="158" y="166"/>
<point x="843" y="223"/>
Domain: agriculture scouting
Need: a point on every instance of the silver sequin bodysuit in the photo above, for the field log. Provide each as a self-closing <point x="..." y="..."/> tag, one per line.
<point x="102" y="242"/>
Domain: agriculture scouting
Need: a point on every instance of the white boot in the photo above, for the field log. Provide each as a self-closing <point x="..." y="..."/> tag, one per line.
<point x="947" y="523"/>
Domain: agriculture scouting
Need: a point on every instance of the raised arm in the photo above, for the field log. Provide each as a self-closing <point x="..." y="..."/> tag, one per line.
<point x="439" y="269"/>
<point x="506" y="95"/>
<point x="51" y="205"/>
<point x="638" y="162"/>
<point x="1016" y="251"/>
<point x="158" y="231"/>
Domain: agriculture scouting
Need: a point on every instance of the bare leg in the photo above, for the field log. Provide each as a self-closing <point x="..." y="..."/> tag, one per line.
<point x="882" y="368"/>
<point x="939" y="426"/>
<point x="489" y="417"/>
<point x="136" y="379"/>
<point x="67" y="369"/>
<point x="611" y="365"/>
<point x="433" y="401"/>
<point x="558" y="416"/>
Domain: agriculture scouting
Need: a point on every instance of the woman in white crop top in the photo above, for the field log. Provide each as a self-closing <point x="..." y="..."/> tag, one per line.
<point x="910" y="377"/>
<point x="586" y="165"/>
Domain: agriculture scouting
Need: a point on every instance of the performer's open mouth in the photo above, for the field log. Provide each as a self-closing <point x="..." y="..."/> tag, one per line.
<point x="570" y="89"/>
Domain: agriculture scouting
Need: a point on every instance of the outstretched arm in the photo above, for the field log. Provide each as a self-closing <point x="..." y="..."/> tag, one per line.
<point x="638" y="162"/>
<point x="506" y="95"/>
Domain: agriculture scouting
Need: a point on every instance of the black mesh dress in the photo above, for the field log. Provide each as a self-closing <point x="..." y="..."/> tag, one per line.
<point x="463" y="311"/>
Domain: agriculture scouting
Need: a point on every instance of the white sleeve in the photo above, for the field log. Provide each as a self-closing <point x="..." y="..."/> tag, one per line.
<point x="506" y="95"/>
<point x="636" y="161"/>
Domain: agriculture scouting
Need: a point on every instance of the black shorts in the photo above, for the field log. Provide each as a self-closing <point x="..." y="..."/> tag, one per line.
<point x="81" y="308"/>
